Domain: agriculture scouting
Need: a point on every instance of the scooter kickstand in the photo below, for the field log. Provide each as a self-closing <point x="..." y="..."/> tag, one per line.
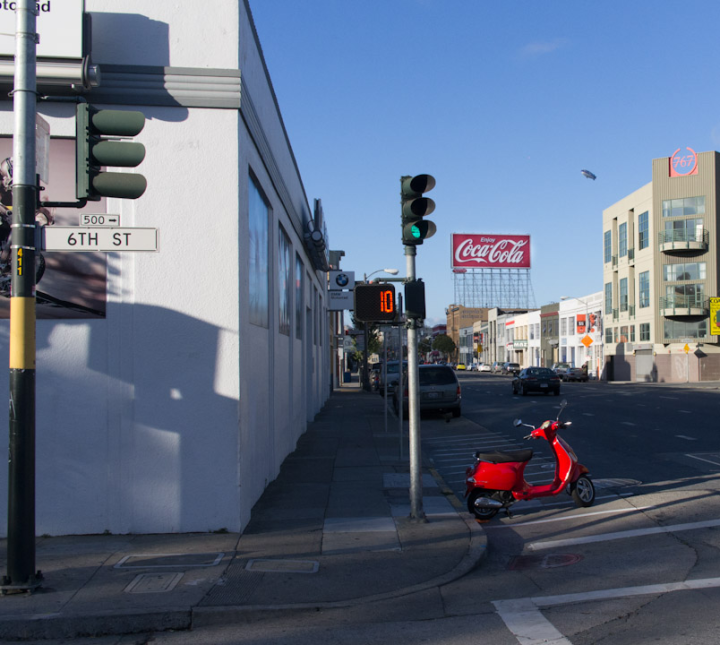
<point x="509" y="512"/>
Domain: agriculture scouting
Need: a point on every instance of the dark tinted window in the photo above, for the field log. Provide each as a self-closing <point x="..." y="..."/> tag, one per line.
<point x="437" y="376"/>
<point x="540" y="371"/>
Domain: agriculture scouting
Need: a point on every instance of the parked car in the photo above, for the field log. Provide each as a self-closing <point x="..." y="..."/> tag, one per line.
<point x="536" y="379"/>
<point x="511" y="368"/>
<point x="460" y="366"/>
<point x="485" y="367"/>
<point x="575" y="374"/>
<point x="561" y="368"/>
<point x="438" y="388"/>
<point x="393" y="376"/>
<point x="496" y="367"/>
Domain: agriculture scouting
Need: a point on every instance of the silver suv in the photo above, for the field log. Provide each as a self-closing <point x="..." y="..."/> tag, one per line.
<point x="439" y="390"/>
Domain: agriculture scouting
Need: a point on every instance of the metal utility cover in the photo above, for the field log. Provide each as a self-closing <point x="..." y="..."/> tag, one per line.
<point x="154" y="583"/>
<point x="169" y="560"/>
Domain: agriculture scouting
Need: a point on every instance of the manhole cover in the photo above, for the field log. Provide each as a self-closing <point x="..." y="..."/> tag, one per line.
<point x="169" y="560"/>
<point x="549" y="561"/>
<point x="153" y="583"/>
<point x="283" y="566"/>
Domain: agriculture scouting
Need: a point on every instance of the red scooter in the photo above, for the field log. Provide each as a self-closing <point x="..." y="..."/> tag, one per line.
<point x="497" y="479"/>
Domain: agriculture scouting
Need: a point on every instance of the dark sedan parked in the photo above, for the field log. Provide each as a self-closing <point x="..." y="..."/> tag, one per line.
<point x="536" y="379"/>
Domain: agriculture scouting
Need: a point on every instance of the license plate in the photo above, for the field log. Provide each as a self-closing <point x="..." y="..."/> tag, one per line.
<point x="543" y="384"/>
<point x="432" y="395"/>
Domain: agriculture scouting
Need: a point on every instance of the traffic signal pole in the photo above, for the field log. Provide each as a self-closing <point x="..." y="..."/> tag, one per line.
<point x="415" y="451"/>
<point x="21" y="574"/>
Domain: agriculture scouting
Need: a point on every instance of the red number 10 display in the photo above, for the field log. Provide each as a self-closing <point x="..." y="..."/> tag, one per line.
<point x="375" y="302"/>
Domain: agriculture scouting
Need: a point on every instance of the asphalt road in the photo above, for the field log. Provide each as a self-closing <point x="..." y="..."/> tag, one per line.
<point x="616" y="572"/>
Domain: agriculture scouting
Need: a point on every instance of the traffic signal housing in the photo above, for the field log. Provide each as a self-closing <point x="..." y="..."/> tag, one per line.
<point x="97" y="145"/>
<point x="415" y="299"/>
<point x="375" y="303"/>
<point x="415" y="207"/>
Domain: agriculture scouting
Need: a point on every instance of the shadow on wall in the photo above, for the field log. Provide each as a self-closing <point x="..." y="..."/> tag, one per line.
<point x="133" y="429"/>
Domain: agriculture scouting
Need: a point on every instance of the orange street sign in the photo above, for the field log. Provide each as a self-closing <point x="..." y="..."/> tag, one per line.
<point x="587" y="341"/>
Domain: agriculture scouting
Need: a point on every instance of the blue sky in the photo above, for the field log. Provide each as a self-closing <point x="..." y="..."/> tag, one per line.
<point x="504" y="103"/>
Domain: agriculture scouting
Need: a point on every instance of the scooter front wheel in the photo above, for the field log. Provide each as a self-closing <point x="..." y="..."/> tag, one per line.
<point x="583" y="491"/>
<point x="480" y="513"/>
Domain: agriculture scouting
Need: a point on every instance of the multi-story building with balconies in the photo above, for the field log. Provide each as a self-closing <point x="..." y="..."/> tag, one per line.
<point x="660" y="272"/>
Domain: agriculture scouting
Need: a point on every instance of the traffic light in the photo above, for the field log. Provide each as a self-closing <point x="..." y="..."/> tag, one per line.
<point x="375" y="303"/>
<point x="414" y="208"/>
<point x="96" y="145"/>
<point x="415" y="299"/>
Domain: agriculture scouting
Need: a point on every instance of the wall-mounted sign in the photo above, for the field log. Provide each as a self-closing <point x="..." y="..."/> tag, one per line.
<point x="715" y="316"/>
<point x="339" y="280"/>
<point x="339" y="300"/>
<point x="490" y="251"/>
<point x="59" y="23"/>
<point x="683" y="163"/>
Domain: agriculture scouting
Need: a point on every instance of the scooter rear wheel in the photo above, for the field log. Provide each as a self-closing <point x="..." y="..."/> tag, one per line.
<point x="480" y="513"/>
<point x="583" y="491"/>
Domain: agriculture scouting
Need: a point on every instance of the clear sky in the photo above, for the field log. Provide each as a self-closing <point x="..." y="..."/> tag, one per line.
<point x="504" y="102"/>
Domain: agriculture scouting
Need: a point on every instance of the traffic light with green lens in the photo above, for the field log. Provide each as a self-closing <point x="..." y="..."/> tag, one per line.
<point x="375" y="303"/>
<point x="415" y="207"/>
<point x="97" y="145"/>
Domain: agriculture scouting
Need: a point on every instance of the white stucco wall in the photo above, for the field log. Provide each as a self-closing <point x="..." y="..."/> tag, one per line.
<point x="174" y="412"/>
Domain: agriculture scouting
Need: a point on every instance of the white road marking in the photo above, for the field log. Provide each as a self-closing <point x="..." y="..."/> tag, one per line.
<point x="622" y="535"/>
<point x="682" y="436"/>
<point x="709" y="461"/>
<point x="523" y="618"/>
<point x="570" y="517"/>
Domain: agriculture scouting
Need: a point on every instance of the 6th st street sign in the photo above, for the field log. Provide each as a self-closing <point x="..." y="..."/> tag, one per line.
<point x="90" y="238"/>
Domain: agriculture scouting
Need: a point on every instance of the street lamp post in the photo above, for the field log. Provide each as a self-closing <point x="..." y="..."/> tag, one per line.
<point x="366" y="373"/>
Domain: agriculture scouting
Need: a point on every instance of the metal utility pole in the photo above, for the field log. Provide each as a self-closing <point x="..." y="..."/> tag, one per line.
<point x="21" y="574"/>
<point x="415" y="451"/>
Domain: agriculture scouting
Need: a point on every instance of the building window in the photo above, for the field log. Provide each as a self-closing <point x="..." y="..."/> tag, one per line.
<point x="299" y="291"/>
<point x="685" y="295"/>
<point x="623" y="294"/>
<point x="615" y="335"/>
<point x="563" y="327"/>
<point x="622" y="240"/>
<point x="608" y="335"/>
<point x="677" y="329"/>
<point x="608" y="298"/>
<point x="258" y="218"/>
<point x="687" y="271"/>
<point x="624" y="334"/>
<point x="644" y="332"/>
<point x="607" y="246"/>
<point x="632" y="333"/>
<point x="684" y="230"/>
<point x="644" y="289"/>
<point x="284" y="286"/>
<point x="571" y="326"/>
<point x="643" y="231"/>
<point x="683" y="207"/>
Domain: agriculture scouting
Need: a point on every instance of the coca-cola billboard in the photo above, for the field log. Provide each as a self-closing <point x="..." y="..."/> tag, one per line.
<point x="476" y="251"/>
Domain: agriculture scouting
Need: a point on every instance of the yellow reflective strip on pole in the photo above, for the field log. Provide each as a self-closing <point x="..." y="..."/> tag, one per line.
<point x="22" y="333"/>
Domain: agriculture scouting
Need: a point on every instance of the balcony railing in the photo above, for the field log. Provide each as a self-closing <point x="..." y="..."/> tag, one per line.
<point x="684" y="240"/>
<point x="684" y="306"/>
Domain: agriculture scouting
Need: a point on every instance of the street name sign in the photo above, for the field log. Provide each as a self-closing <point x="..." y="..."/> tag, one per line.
<point x="88" y="239"/>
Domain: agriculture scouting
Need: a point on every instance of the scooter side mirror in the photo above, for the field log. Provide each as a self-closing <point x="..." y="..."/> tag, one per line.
<point x="517" y="422"/>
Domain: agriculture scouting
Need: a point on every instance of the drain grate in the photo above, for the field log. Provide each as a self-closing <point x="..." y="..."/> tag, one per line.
<point x="154" y="583"/>
<point x="169" y="560"/>
<point x="283" y="566"/>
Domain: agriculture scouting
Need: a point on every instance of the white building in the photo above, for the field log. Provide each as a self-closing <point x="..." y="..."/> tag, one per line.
<point x="170" y="403"/>
<point x="581" y="332"/>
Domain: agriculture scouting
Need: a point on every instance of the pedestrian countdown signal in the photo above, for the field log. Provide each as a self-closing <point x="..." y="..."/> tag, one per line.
<point x="375" y="303"/>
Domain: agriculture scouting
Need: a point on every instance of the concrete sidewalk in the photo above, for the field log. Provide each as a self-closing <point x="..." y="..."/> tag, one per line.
<point x="331" y="531"/>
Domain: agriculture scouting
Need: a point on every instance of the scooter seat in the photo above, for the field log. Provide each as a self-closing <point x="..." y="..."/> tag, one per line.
<point x="505" y="456"/>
